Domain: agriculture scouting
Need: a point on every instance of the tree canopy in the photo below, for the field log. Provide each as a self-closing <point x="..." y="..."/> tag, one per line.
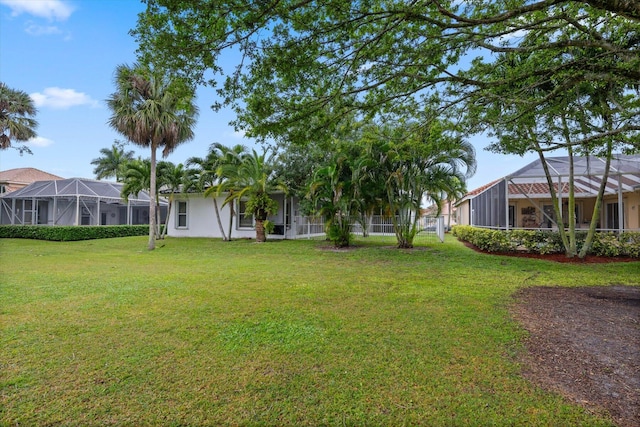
<point x="17" y="123"/>
<point x="305" y="65"/>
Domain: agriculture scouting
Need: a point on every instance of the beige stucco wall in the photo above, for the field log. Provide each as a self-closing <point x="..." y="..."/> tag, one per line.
<point x="632" y="210"/>
<point x="463" y="216"/>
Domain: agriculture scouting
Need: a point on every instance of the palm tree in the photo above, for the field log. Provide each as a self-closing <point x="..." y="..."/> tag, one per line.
<point x="172" y="179"/>
<point x="112" y="162"/>
<point x="333" y="191"/>
<point x="251" y="180"/>
<point x="137" y="178"/>
<point x="16" y="121"/>
<point x="152" y="111"/>
<point x="211" y="183"/>
<point x="414" y="164"/>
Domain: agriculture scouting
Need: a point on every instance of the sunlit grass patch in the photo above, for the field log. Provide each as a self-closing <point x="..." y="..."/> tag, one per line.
<point x="205" y="332"/>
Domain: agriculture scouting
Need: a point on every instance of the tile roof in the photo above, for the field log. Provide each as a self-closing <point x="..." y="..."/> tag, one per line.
<point x="14" y="179"/>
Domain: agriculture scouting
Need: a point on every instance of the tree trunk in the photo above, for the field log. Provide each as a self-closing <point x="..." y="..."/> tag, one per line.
<point x="231" y="213"/>
<point x="215" y="206"/>
<point x="554" y="201"/>
<point x="571" y="206"/>
<point x="158" y="220"/>
<point x="261" y="236"/>
<point x="166" y="220"/>
<point x="588" y="241"/>
<point x="152" y="200"/>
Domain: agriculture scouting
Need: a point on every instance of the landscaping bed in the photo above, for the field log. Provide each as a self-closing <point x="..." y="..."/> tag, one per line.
<point x="584" y="343"/>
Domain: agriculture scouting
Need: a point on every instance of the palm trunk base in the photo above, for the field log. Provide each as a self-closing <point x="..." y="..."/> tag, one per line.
<point x="261" y="236"/>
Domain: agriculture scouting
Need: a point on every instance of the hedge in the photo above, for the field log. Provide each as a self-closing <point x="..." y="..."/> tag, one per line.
<point x="71" y="233"/>
<point x="547" y="241"/>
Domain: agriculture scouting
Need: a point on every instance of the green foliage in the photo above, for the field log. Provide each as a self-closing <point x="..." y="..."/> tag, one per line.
<point x="269" y="226"/>
<point x="152" y="109"/>
<point x="313" y="64"/>
<point x="339" y="232"/>
<point x="71" y="233"/>
<point x="112" y="162"/>
<point x="17" y="123"/>
<point x="261" y="205"/>
<point x="547" y="241"/>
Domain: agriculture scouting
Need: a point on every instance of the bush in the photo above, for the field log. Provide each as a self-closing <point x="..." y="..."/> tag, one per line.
<point x="547" y="241"/>
<point x="71" y="233"/>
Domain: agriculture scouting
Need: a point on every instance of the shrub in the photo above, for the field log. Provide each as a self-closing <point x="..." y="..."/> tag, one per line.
<point x="71" y="233"/>
<point x="547" y="241"/>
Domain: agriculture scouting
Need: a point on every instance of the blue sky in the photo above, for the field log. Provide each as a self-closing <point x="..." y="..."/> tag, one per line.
<point x="64" y="53"/>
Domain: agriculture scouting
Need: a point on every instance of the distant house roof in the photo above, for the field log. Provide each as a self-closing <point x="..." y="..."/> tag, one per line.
<point x="582" y="166"/>
<point x="531" y="180"/>
<point x="76" y="187"/>
<point x="13" y="179"/>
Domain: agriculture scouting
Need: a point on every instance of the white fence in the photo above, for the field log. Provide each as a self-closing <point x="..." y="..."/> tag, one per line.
<point x="429" y="227"/>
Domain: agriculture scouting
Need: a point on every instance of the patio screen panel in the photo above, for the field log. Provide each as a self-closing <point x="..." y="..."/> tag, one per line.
<point x="489" y="207"/>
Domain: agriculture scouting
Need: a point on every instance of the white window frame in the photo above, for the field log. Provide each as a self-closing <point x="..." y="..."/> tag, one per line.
<point x="180" y="214"/>
<point x="242" y="217"/>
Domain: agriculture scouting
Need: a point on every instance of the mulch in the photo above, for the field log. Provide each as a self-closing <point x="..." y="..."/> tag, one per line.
<point x="584" y="343"/>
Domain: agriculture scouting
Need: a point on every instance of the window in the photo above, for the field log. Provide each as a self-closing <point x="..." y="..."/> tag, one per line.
<point x="181" y="214"/>
<point x="3" y="189"/>
<point x="85" y="218"/>
<point x="245" y="219"/>
<point x="512" y="216"/>
<point x="549" y="217"/>
<point x="613" y="216"/>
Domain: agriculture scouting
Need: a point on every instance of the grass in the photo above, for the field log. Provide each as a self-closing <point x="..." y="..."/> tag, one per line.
<point x="204" y="332"/>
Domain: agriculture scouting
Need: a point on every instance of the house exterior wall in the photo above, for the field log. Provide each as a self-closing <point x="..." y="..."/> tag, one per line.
<point x="528" y="212"/>
<point x="633" y="210"/>
<point x="463" y="216"/>
<point x="201" y="219"/>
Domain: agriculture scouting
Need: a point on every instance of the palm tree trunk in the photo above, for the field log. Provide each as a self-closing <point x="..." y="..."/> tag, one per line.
<point x="215" y="206"/>
<point x="158" y="219"/>
<point x="152" y="200"/>
<point x="166" y="220"/>
<point x="231" y="213"/>
<point x="261" y="236"/>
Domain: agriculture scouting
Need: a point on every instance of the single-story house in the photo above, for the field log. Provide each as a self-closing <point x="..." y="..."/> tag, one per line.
<point x="75" y="201"/>
<point x="193" y="215"/>
<point x="15" y="179"/>
<point x="448" y="212"/>
<point x="523" y="199"/>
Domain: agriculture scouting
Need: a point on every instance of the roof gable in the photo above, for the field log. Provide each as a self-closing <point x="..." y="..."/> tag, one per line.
<point x="26" y="175"/>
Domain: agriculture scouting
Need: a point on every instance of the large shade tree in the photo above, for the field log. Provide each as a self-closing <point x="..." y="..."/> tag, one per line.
<point x="307" y="65"/>
<point x="152" y="110"/>
<point x="582" y="111"/>
<point x="17" y="123"/>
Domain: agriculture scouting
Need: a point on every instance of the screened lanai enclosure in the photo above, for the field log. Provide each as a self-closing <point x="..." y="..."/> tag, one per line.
<point x="523" y="199"/>
<point x="75" y="201"/>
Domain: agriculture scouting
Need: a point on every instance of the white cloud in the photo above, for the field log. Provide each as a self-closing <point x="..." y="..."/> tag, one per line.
<point x="39" y="141"/>
<point x="41" y="30"/>
<point x="50" y="9"/>
<point x="61" y="99"/>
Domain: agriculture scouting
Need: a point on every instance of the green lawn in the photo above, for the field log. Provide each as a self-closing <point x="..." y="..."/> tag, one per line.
<point x="204" y="332"/>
